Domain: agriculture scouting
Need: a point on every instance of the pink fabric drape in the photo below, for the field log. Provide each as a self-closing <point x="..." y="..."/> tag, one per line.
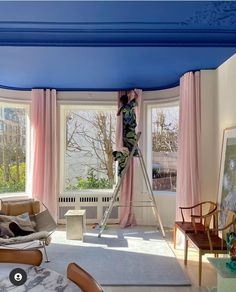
<point x="44" y="148"/>
<point x="119" y="124"/>
<point x="127" y="217"/>
<point x="188" y="165"/>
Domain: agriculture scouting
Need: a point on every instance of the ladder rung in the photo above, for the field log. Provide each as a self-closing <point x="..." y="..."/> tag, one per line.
<point x="136" y="206"/>
<point x="148" y="201"/>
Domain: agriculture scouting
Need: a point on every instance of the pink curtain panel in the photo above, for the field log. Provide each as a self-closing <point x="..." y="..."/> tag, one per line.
<point x="45" y="148"/>
<point x="188" y="164"/>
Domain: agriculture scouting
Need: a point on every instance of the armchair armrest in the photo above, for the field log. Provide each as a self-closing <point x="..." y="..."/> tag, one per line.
<point x="213" y="207"/>
<point x="213" y="212"/>
<point x="215" y="231"/>
<point x="197" y="205"/>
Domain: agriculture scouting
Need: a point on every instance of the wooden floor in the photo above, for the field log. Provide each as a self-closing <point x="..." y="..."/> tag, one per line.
<point x="208" y="274"/>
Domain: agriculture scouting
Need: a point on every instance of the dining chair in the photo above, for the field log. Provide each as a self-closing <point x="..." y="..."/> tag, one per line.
<point x="82" y="279"/>
<point x="32" y="257"/>
<point x="197" y="214"/>
<point x="213" y="240"/>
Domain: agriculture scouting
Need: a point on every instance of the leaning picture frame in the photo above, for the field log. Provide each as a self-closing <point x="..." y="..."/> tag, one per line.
<point x="227" y="176"/>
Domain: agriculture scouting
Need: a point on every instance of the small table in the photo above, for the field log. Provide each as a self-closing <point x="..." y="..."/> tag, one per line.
<point x="226" y="280"/>
<point x="75" y="224"/>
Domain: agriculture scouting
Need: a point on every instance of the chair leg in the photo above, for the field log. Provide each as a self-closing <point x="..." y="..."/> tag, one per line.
<point x="200" y="268"/>
<point x="175" y="236"/>
<point x="45" y="252"/>
<point x="185" y="249"/>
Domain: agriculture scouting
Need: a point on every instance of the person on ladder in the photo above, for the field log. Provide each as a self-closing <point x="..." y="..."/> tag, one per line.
<point x="127" y="147"/>
<point x="128" y="104"/>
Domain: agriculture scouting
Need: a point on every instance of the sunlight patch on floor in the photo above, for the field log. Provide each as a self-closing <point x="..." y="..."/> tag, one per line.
<point x="131" y="242"/>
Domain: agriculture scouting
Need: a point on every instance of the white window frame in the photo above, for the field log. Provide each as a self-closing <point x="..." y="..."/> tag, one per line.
<point x="148" y="106"/>
<point x="26" y="106"/>
<point x="82" y="105"/>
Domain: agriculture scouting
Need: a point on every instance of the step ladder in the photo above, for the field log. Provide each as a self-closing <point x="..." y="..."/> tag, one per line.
<point x="150" y="203"/>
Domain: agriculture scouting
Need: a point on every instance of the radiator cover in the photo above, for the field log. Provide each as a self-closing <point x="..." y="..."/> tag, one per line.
<point x="94" y="204"/>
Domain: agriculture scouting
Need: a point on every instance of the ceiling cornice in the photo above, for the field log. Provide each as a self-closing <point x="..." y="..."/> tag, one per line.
<point x="210" y="25"/>
<point x="112" y="34"/>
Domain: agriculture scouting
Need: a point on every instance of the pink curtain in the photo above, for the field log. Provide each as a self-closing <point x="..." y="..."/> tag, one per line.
<point x="119" y="124"/>
<point x="44" y="148"/>
<point x="127" y="217"/>
<point x="188" y="168"/>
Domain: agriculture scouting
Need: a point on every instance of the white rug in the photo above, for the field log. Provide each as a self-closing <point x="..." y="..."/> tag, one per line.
<point x="120" y="257"/>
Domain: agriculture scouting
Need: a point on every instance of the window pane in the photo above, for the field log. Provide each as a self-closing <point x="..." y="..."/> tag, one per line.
<point x="90" y="137"/>
<point x="12" y="149"/>
<point x="164" y="148"/>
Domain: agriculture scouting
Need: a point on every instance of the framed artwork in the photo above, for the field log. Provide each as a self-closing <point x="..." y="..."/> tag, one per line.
<point x="227" y="178"/>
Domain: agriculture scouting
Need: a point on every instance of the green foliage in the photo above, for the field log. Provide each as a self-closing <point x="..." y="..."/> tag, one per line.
<point x="91" y="182"/>
<point x="15" y="183"/>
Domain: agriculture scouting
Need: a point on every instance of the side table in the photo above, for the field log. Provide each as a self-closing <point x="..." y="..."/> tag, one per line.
<point x="226" y="280"/>
<point x="75" y="224"/>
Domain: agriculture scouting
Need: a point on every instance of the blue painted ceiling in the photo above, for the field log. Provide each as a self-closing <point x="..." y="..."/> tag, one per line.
<point x="110" y="45"/>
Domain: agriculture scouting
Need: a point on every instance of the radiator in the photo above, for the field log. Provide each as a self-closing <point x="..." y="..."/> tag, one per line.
<point x="95" y="206"/>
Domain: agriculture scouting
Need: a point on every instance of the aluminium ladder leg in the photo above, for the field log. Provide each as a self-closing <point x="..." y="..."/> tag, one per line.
<point x="107" y="213"/>
<point x="150" y="193"/>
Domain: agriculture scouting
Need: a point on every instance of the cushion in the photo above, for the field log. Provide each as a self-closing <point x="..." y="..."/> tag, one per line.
<point x="21" y="223"/>
<point x="14" y="208"/>
<point x="5" y="231"/>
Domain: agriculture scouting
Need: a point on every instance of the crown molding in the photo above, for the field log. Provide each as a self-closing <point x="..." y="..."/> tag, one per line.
<point x="112" y="34"/>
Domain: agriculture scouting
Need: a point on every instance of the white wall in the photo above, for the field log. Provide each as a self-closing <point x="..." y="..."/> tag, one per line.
<point x="209" y="167"/>
<point x="218" y="109"/>
<point x="226" y="98"/>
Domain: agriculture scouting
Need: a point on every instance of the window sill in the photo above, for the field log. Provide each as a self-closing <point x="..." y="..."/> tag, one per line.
<point x="89" y="192"/>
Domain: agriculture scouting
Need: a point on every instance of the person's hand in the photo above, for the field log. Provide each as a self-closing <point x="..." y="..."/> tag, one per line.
<point x="136" y="92"/>
<point x="125" y="150"/>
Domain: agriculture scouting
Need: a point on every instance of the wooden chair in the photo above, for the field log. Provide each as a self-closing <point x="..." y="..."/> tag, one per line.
<point x="82" y="279"/>
<point x="21" y="256"/>
<point x="212" y="241"/>
<point x="197" y="223"/>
